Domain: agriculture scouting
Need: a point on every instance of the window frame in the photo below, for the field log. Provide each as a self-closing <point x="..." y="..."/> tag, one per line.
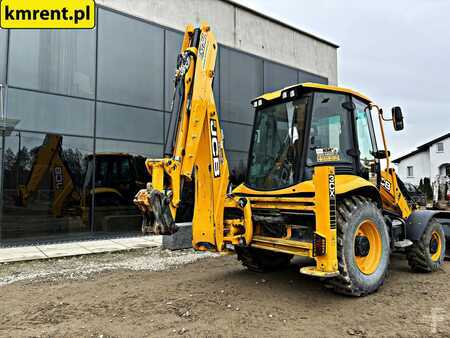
<point x="438" y="150"/>
<point x="408" y="168"/>
<point x="301" y="161"/>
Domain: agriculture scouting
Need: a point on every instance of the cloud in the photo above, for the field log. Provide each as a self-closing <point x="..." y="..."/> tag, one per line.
<point x="396" y="52"/>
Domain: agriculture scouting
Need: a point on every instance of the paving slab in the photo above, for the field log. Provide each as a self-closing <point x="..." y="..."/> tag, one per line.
<point x="134" y="243"/>
<point x="158" y="239"/>
<point x="63" y="250"/>
<point x="25" y="253"/>
<point x="102" y="246"/>
<point x="20" y="254"/>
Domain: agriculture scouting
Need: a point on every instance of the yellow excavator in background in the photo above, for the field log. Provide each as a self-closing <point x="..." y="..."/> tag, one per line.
<point x="48" y="160"/>
<point x="117" y="178"/>
<point x="314" y="185"/>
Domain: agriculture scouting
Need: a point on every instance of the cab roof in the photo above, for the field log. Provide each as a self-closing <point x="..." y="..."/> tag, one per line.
<point x="277" y="94"/>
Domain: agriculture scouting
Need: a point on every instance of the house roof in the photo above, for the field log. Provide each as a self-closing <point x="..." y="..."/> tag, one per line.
<point x="421" y="148"/>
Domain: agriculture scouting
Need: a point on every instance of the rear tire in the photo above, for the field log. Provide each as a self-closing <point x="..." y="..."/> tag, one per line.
<point x="425" y="255"/>
<point x="259" y="260"/>
<point x="362" y="271"/>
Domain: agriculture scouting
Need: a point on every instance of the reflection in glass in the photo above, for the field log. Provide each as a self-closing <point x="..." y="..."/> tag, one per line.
<point x="51" y="113"/>
<point x="43" y="185"/>
<point x="54" y="60"/>
<point x="119" y="174"/>
<point x="134" y="124"/>
<point x="241" y="80"/>
<point x="277" y="76"/>
<point x="3" y="51"/>
<point x="130" y="61"/>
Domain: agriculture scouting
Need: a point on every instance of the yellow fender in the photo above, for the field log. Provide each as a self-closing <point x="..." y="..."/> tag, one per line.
<point x="351" y="183"/>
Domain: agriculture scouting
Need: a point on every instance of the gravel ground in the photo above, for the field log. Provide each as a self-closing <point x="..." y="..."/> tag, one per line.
<point x="153" y="293"/>
<point x="82" y="267"/>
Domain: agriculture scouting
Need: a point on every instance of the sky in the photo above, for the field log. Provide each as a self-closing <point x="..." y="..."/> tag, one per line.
<point x="395" y="52"/>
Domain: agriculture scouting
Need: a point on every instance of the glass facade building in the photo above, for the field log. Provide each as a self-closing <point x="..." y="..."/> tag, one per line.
<point x="103" y="98"/>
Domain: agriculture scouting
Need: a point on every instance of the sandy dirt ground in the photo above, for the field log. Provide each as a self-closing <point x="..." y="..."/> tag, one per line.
<point x="215" y="297"/>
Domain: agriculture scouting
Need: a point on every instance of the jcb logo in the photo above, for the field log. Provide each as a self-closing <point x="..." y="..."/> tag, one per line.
<point x="386" y="184"/>
<point x="59" y="178"/>
<point x="332" y="186"/>
<point x="215" y="148"/>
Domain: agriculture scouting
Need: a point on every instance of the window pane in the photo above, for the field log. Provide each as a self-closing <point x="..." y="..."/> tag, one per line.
<point x="330" y="136"/>
<point x="173" y="45"/>
<point x="145" y="149"/>
<point x="51" y="113"/>
<point x="119" y="174"/>
<point x="122" y="122"/>
<point x="309" y="77"/>
<point x="3" y="43"/>
<point x="130" y="61"/>
<point x="365" y="144"/>
<point x="53" y="60"/>
<point x="276" y="144"/>
<point x="35" y="212"/>
<point x="278" y="76"/>
<point x="236" y="136"/>
<point x="240" y="82"/>
<point x="237" y="161"/>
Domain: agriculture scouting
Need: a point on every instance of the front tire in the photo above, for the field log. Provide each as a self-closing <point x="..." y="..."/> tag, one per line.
<point x="363" y="247"/>
<point x="428" y="253"/>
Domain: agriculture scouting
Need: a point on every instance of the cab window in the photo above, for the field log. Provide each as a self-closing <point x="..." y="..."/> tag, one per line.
<point x="365" y="137"/>
<point x="330" y="136"/>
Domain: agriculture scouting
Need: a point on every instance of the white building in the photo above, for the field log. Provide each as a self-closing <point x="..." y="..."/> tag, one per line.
<point x="430" y="160"/>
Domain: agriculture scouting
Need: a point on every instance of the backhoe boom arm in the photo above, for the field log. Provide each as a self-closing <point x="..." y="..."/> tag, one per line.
<point x="196" y="150"/>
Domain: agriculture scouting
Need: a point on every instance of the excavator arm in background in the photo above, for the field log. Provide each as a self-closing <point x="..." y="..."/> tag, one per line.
<point x="48" y="160"/>
<point x="196" y="149"/>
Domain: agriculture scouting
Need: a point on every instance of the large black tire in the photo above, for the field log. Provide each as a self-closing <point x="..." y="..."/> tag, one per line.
<point x="262" y="260"/>
<point x="351" y="213"/>
<point x="420" y="255"/>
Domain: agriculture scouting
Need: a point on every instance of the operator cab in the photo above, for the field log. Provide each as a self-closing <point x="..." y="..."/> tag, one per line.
<point x="308" y="125"/>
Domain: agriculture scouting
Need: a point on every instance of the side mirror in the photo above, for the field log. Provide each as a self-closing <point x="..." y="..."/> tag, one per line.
<point x="397" y="118"/>
<point x="349" y="105"/>
<point x="380" y="154"/>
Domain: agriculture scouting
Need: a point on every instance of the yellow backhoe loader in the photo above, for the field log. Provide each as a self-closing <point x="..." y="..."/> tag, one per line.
<point x="314" y="186"/>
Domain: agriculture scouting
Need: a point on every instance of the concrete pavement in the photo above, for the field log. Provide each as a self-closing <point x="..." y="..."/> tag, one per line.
<point x="47" y="251"/>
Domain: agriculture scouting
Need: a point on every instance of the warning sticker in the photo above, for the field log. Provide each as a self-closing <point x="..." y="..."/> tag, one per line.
<point x="327" y="155"/>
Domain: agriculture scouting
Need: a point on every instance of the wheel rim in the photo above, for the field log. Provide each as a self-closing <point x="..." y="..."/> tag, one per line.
<point x="435" y="246"/>
<point x="369" y="262"/>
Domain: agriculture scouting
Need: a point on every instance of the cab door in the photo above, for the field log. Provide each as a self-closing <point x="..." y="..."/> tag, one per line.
<point x="368" y="166"/>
